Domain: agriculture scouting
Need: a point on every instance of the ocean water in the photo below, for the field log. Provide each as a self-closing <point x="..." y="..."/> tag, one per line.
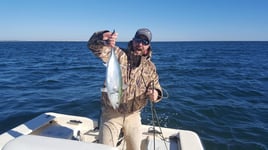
<point x="217" y="89"/>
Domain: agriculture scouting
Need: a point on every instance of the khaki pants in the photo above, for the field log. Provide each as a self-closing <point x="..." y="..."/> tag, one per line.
<point x="111" y="124"/>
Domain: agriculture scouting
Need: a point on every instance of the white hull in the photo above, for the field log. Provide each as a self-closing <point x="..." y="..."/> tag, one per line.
<point x="59" y="131"/>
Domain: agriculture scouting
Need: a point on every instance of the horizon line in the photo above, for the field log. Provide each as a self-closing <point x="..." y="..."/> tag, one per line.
<point x="129" y="40"/>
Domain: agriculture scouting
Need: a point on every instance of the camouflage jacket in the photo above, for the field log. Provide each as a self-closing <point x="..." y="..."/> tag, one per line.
<point x="138" y="74"/>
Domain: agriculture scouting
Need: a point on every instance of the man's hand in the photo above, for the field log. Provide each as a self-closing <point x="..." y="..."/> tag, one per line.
<point x="153" y="94"/>
<point x="111" y="38"/>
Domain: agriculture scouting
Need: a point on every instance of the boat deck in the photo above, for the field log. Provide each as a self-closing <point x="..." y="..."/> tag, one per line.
<point x="78" y="128"/>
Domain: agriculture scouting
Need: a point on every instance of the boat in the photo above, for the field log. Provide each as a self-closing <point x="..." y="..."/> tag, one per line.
<point x="54" y="131"/>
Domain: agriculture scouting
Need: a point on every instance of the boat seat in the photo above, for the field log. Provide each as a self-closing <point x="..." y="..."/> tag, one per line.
<point x="26" y="128"/>
<point x="35" y="142"/>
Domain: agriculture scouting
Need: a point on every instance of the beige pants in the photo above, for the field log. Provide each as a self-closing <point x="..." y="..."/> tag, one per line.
<point x="111" y="125"/>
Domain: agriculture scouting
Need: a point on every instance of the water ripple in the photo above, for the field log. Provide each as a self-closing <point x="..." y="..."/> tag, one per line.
<point x="217" y="89"/>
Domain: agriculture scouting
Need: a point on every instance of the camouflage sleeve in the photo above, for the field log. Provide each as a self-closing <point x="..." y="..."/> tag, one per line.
<point x="98" y="46"/>
<point x="155" y="79"/>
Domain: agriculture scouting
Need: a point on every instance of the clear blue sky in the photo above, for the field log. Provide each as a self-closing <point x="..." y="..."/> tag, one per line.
<point x="169" y="20"/>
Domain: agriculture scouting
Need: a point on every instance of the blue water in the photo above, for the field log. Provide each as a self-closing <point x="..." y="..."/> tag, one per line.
<point x="217" y="89"/>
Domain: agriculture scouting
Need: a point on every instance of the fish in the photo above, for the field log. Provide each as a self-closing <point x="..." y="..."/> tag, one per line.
<point x="114" y="83"/>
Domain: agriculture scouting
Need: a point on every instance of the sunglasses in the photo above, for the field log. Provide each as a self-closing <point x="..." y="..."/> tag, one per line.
<point x="143" y="41"/>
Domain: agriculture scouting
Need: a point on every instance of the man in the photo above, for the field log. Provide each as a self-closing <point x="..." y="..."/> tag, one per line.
<point x="141" y="80"/>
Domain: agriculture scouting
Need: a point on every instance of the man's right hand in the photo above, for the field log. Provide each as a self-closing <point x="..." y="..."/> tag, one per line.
<point x="111" y="38"/>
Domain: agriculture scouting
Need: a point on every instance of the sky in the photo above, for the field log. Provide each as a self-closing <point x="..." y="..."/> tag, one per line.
<point x="169" y="20"/>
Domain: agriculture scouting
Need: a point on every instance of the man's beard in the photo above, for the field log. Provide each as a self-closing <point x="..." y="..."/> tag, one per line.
<point x="134" y="60"/>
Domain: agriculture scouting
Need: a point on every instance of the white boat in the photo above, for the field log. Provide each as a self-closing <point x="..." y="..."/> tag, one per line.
<point x="54" y="131"/>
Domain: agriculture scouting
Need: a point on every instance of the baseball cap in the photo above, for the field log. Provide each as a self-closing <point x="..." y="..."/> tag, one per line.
<point x="145" y="32"/>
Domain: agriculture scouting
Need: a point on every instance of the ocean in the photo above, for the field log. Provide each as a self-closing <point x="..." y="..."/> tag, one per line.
<point x="217" y="89"/>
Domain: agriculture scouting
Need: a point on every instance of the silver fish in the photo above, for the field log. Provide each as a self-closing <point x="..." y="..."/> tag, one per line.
<point x="114" y="83"/>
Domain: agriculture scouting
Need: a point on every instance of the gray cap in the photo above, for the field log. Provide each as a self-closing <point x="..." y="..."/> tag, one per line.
<point x="145" y="32"/>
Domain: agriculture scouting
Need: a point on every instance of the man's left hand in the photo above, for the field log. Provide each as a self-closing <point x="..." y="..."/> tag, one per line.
<point x="153" y="95"/>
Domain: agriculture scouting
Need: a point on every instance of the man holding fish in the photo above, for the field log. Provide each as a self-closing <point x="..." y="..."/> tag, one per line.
<point x="131" y="79"/>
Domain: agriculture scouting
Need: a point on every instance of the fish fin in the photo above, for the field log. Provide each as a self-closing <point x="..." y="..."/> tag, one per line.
<point x="104" y="90"/>
<point x="105" y="64"/>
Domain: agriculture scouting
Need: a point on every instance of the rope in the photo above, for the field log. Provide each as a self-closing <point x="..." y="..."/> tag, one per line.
<point x="155" y="118"/>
